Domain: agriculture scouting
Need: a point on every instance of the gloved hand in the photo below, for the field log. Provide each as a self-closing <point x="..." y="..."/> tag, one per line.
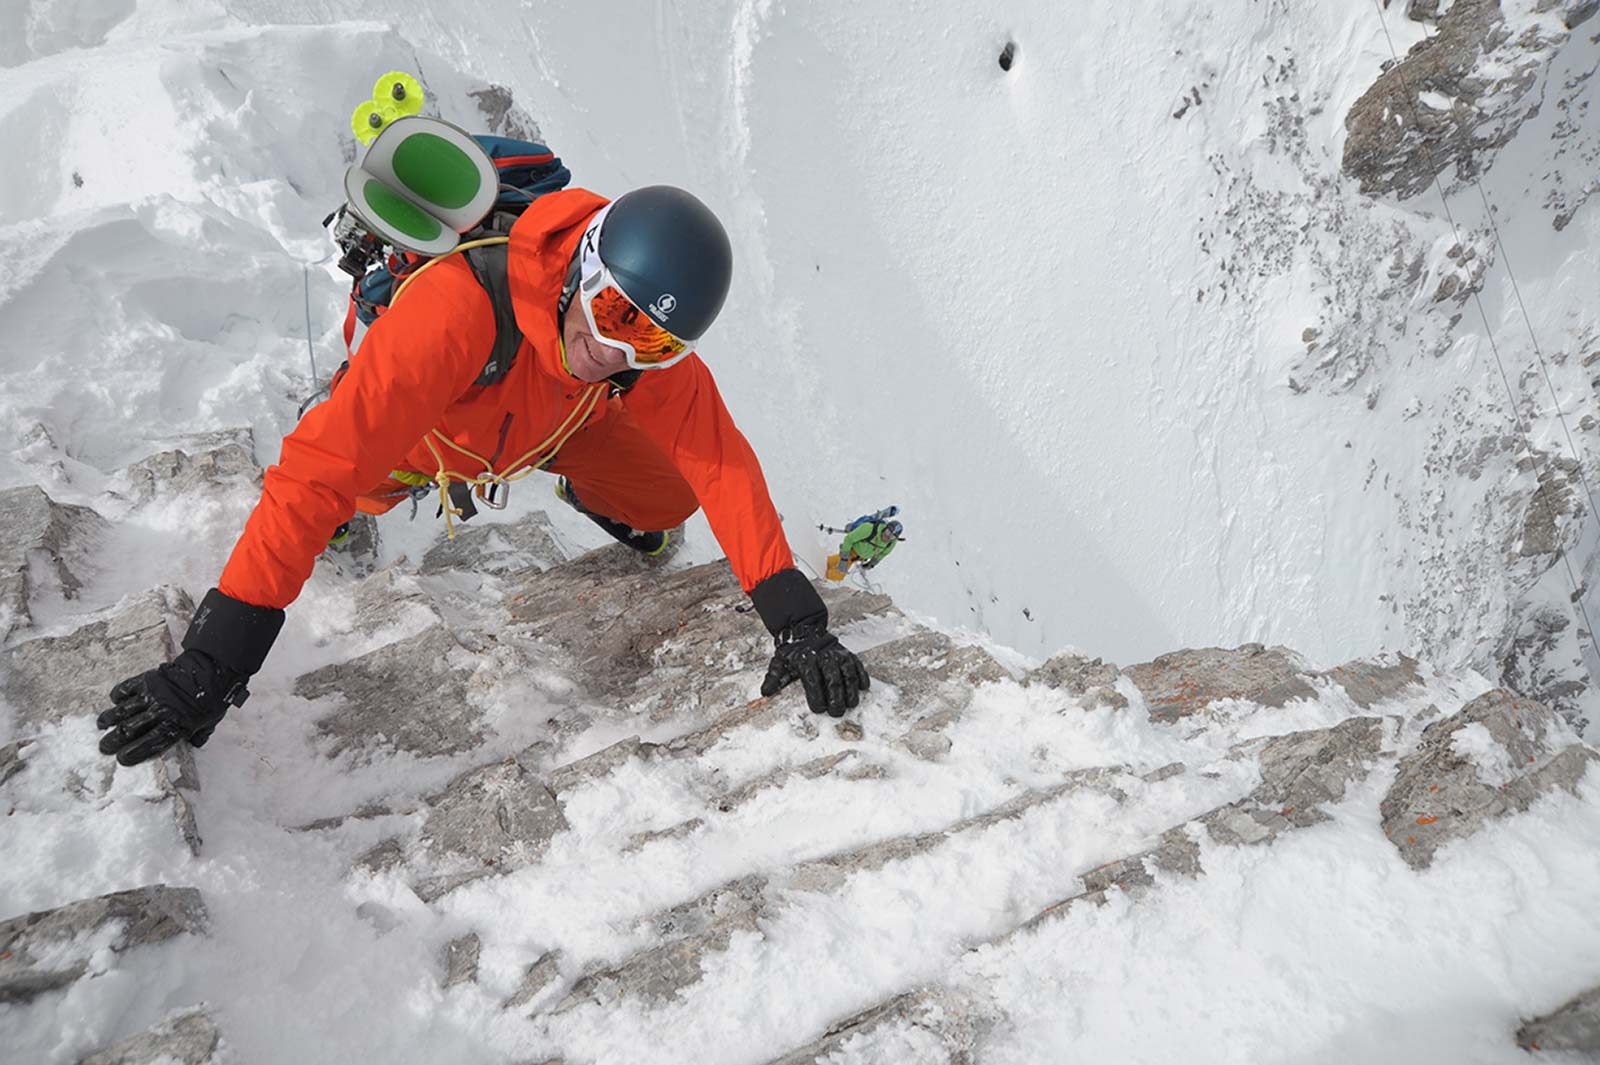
<point x="182" y="700"/>
<point x="831" y="674"/>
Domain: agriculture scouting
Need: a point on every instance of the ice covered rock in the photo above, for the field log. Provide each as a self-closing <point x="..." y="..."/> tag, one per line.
<point x="1575" y="1027"/>
<point x="188" y="1038"/>
<point x="53" y="677"/>
<point x="1493" y="757"/>
<point x="1457" y="97"/>
<point x="51" y="949"/>
<point x="1179" y="684"/>
<point x="205" y="460"/>
<point x="41" y="541"/>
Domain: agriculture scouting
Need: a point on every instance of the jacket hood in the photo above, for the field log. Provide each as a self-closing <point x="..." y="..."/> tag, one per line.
<point x="542" y="243"/>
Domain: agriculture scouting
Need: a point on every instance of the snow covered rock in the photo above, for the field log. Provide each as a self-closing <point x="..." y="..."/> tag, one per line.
<point x="187" y="1038"/>
<point x="461" y="960"/>
<point x="498" y="548"/>
<point x="1371" y="681"/>
<point x="51" y="949"/>
<point x="1300" y="771"/>
<point x="1493" y="757"/>
<point x="201" y="461"/>
<point x="1074" y="673"/>
<point x="40" y="541"/>
<point x="931" y="672"/>
<point x="933" y="1025"/>
<point x="1456" y="98"/>
<point x="487" y="821"/>
<point x="690" y="931"/>
<point x="54" y="677"/>
<point x="1575" y="1026"/>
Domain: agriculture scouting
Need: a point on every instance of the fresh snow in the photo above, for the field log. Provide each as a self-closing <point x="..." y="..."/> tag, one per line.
<point x="1059" y="315"/>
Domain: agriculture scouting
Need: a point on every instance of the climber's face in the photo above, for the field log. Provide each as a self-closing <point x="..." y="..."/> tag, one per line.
<point x="587" y="358"/>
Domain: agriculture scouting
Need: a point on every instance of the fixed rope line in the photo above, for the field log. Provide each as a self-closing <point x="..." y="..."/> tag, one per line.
<point x="1511" y="397"/>
<point x="305" y="274"/>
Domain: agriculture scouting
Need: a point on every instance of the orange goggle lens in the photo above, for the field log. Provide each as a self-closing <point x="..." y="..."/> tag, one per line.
<point x="616" y="318"/>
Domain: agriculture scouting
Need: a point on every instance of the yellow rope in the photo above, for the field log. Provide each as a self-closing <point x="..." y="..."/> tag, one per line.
<point x="457" y="250"/>
<point x="546" y="450"/>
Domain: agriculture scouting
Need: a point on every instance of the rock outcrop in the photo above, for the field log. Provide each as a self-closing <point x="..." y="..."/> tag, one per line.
<point x="1574" y="1027"/>
<point x="1494" y="757"/>
<point x="34" y="527"/>
<point x="1456" y="97"/>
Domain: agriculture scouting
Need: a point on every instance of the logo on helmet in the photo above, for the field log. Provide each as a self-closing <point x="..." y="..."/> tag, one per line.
<point x="664" y="305"/>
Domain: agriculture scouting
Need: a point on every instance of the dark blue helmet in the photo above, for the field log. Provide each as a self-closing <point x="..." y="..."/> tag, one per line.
<point x="670" y="255"/>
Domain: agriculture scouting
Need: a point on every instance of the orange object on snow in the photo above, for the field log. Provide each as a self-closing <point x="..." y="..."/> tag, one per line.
<point x="647" y="458"/>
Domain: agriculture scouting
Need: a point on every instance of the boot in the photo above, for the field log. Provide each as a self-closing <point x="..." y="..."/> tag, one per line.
<point x="646" y="543"/>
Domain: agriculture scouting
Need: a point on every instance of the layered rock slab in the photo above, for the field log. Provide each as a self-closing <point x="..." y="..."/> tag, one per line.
<point x="489" y="820"/>
<point x="690" y="634"/>
<point x="412" y="695"/>
<point x="54" y="677"/>
<point x="1183" y="683"/>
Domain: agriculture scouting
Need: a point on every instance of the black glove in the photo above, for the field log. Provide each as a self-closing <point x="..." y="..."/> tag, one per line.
<point x="182" y="700"/>
<point x="793" y="612"/>
<point x="832" y="675"/>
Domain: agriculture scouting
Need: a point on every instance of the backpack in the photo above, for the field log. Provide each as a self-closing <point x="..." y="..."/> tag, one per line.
<point x="526" y="170"/>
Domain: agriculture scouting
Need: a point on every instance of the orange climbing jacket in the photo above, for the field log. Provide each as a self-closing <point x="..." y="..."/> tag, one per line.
<point x="408" y="404"/>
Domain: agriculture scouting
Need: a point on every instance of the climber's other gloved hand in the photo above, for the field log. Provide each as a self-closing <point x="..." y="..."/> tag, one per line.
<point x="833" y="677"/>
<point x="184" y="699"/>
<point x="831" y="674"/>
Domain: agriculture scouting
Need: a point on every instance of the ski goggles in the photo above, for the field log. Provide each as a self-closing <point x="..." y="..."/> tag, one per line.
<point x="614" y="319"/>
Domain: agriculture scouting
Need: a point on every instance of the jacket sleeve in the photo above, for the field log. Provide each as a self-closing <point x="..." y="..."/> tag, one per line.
<point x="415" y="360"/>
<point x="683" y="413"/>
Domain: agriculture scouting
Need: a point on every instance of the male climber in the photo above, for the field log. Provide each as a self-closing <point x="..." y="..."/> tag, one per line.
<point x="605" y="392"/>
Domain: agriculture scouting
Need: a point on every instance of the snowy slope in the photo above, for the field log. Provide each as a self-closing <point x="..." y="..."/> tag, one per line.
<point x="1142" y="364"/>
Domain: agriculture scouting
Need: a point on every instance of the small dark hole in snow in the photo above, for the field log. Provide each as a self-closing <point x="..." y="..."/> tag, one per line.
<point x="1008" y="55"/>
